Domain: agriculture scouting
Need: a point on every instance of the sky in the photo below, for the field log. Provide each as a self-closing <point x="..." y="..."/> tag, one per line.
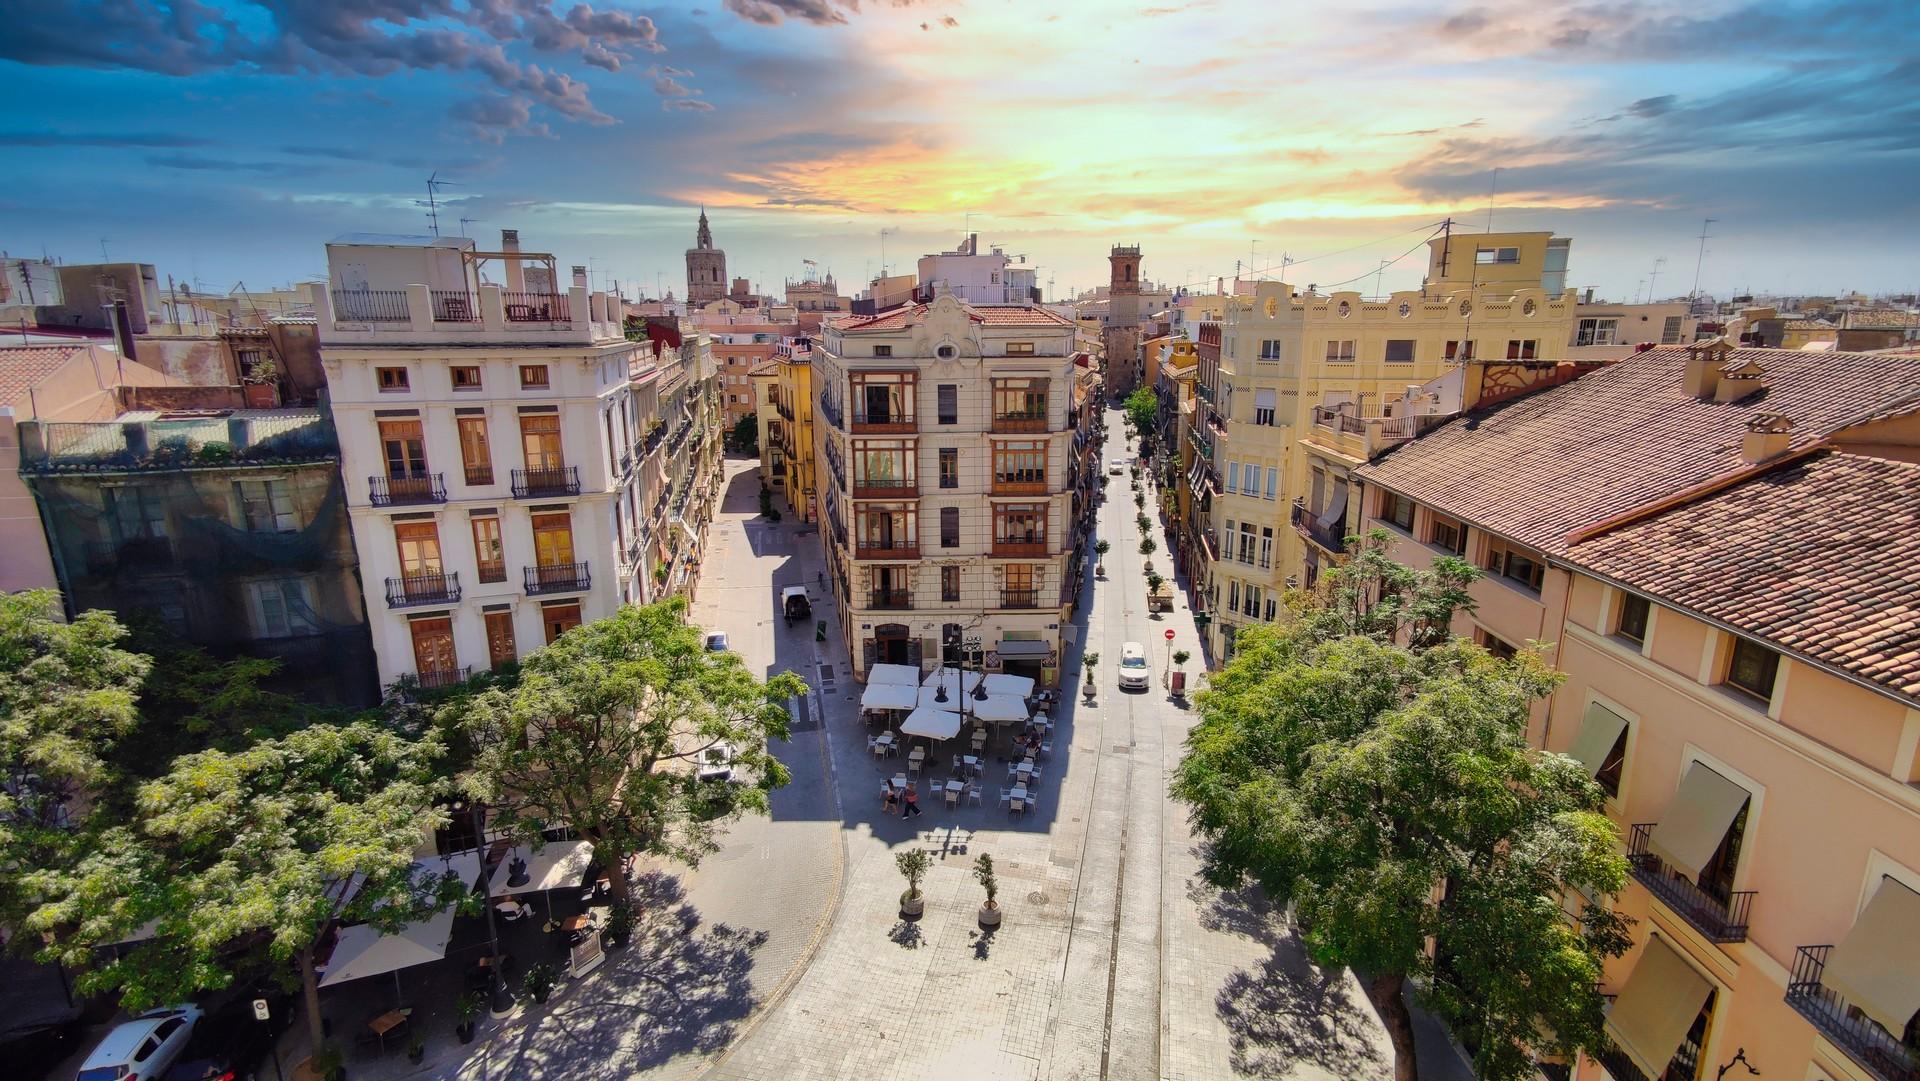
<point x="227" y="141"/>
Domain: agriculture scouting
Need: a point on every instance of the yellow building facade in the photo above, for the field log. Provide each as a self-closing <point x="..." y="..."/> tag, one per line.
<point x="784" y="406"/>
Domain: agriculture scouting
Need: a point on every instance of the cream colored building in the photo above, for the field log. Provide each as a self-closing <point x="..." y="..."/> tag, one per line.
<point x="494" y="444"/>
<point x="1289" y="359"/>
<point x="946" y="439"/>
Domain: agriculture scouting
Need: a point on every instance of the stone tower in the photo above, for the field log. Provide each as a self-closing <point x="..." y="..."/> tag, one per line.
<point x="1121" y="335"/>
<point x="706" y="267"/>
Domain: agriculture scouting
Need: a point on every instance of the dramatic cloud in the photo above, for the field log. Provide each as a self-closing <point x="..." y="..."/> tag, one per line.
<point x="1647" y="30"/>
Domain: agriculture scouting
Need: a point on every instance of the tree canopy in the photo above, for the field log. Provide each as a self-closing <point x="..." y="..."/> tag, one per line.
<point x="607" y="728"/>
<point x="1142" y="407"/>
<point x="746" y="435"/>
<point x="1387" y="793"/>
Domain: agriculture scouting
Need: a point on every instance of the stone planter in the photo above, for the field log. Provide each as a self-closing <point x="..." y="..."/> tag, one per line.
<point x="912" y="906"/>
<point x="990" y="914"/>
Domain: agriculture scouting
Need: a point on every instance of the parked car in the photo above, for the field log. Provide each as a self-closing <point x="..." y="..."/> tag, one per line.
<point x="1134" y="675"/>
<point x="794" y="603"/>
<point x="717" y="764"/>
<point x="1116" y="466"/>
<point x="144" y="1048"/>
<point x="717" y="642"/>
<point x="229" y="1044"/>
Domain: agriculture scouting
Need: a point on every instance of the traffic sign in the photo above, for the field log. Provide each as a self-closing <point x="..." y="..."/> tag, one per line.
<point x="1169" y="634"/>
<point x="259" y="1009"/>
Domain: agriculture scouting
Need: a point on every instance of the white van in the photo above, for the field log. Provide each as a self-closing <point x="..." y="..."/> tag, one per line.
<point x="1134" y="675"/>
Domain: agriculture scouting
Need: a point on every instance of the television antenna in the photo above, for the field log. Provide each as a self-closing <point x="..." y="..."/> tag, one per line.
<point x="464" y="222"/>
<point x="1655" y="276"/>
<point x="434" y="184"/>
<point x="1699" y="261"/>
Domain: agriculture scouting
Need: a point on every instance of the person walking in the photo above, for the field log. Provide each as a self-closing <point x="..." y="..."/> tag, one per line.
<point x="887" y="798"/>
<point x="911" y="808"/>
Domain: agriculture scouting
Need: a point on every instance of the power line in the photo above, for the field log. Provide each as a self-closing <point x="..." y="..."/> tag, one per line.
<point x="1384" y="266"/>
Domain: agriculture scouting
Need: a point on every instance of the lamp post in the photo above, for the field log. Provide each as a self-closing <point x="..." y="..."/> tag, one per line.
<point x="499" y="999"/>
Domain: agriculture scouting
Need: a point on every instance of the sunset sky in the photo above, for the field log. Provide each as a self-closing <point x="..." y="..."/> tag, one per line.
<point x="228" y="141"/>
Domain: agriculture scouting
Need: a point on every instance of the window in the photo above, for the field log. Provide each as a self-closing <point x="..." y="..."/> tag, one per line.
<point x="1269" y="350"/>
<point x="267" y="506"/>
<point x="1752" y="668"/>
<point x="1670" y="330"/>
<point x="1270" y="609"/>
<point x="1263" y="416"/>
<point x="1460" y="350"/>
<point x="1596" y="332"/>
<point x="1023" y="584"/>
<point x="1495" y="646"/>
<point x="1685" y="1064"/>
<point x="1264" y="403"/>
<point x="883" y="350"/>
<point x="1340" y="352"/>
<point x="949" y="467"/>
<point x="404" y="448"/>
<point x="1515" y="565"/>
<point x="533" y="376"/>
<point x="949" y="583"/>
<point x="1266" y="549"/>
<point x="391" y="379"/>
<point x="540" y="440"/>
<point x="1634" y="610"/>
<point x="1612" y="765"/>
<point x="883" y="397"/>
<point x="474" y="454"/>
<point x="1490" y="256"/>
<point x="1021" y="400"/>
<point x="419" y="547"/>
<point x="1398" y="509"/>
<point x="1522" y="348"/>
<point x="487" y="551"/>
<point x="281" y="609"/>
<point x="1399" y="351"/>
<point x="1444" y="532"/>
<point x="553" y="540"/>
<point x="1020" y="462"/>
<point x="1020" y="523"/>
<point x="949" y="527"/>
<point x="1250" y="601"/>
<point x="1019" y="349"/>
<point x="1273" y="482"/>
<point x="560" y="618"/>
<point x="500" y="647"/>
<point x="1233" y="595"/>
<point x="1246" y="543"/>
<point x="949" y="395"/>
<point x="465" y="376"/>
<point x="1233" y="476"/>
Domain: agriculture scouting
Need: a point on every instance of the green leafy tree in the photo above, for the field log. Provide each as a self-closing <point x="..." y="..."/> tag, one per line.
<point x="607" y="727"/>
<point x="67" y="698"/>
<point x="746" y="435"/>
<point x="239" y="861"/>
<point x="1147" y="546"/>
<point x="1387" y="793"/>
<point x="1142" y="406"/>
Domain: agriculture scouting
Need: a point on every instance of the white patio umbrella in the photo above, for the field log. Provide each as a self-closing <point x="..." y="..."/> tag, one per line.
<point x="953" y="679"/>
<point x="932" y="723"/>
<point x="361" y="950"/>
<point x="893" y="673"/>
<point x="929" y="698"/>
<point x="1017" y="686"/>
<point x="890" y="696"/>
<point x="999" y="708"/>
<point x="558" y="865"/>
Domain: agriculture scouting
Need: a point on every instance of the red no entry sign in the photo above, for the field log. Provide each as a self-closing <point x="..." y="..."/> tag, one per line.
<point x="1169" y="634"/>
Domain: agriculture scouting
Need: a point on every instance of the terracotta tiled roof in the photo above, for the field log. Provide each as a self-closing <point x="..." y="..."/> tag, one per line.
<point x="767" y="368"/>
<point x="1808" y="324"/>
<point x="1881" y="318"/>
<point x="1001" y="315"/>
<point x="1820" y="557"/>
<point x="24" y="366"/>
<point x="1537" y="467"/>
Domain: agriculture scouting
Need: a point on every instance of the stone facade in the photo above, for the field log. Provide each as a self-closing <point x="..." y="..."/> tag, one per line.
<point x="706" y="268"/>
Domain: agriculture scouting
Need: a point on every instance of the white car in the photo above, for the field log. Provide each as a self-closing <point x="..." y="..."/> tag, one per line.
<point x="1116" y="466"/>
<point x="718" y="764"/>
<point x="1134" y="675"/>
<point x="143" y="1048"/>
<point x="717" y="642"/>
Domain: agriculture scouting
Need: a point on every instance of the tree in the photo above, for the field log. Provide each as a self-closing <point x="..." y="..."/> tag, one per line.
<point x="1387" y="793"/>
<point x="1142" y="406"/>
<point x="746" y="435"/>
<point x="605" y="731"/>
<point x="241" y="860"/>
<point x="1147" y="547"/>
<point x="67" y="697"/>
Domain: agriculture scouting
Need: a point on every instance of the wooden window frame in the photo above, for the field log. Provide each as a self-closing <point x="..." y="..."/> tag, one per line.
<point x="1768" y="661"/>
<point x="390" y="380"/>
<point x="1015" y="471"/>
<point x="1634" y="630"/>
<point x="1020" y="530"/>
<point x="535" y="377"/>
<point x="456" y="371"/>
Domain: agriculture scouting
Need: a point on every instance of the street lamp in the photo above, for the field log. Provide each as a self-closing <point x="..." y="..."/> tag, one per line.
<point x="499" y="999"/>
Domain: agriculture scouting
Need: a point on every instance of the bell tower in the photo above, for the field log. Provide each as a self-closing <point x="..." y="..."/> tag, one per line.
<point x="1121" y="335"/>
<point x="706" y="267"/>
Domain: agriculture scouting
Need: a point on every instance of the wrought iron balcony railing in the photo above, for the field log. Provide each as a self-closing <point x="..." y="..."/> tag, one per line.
<point x="1720" y="921"/>
<point x="454" y="306"/>
<point x="557" y="578"/>
<point x="415" y="589"/>
<point x="550" y="481"/>
<point x="407" y="490"/>
<point x="891" y="598"/>
<point x="1019" y="598"/>
<point x="371" y="306"/>
<point x="535" y="307"/>
<point x="1331" y="537"/>
<point x="439" y="679"/>
<point x="1873" y="1047"/>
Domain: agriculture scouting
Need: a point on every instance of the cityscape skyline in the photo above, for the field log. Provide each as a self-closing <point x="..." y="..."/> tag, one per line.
<point x="229" y="143"/>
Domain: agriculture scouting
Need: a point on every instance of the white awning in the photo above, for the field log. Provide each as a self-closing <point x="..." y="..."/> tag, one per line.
<point x="1657" y="1006"/>
<point x="1018" y="686"/>
<point x="1598" y="733"/>
<point x="890" y="696"/>
<point x="1874" y="966"/>
<point x="559" y="865"/>
<point x="999" y="708"/>
<point x="893" y="673"/>
<point x="951" y="676"/>
<point x="1336" y="511"/>
<point x="1697" y="820"/>
<point x="362" y="951"/>
<point x="929" y="698"/>
<point x="931" y="723"/>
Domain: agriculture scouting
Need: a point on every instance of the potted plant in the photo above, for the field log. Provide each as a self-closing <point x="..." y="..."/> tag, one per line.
<point x="1180" y="658"/>
<point x="1147" y="546"/>
<point x="983" y="871"/>
<point x="619" y="927"/>
<point x="468" y="1006"/>
<point x="913" y="865"/>
<point x="1100" y="550"/>
<point x="416" y="1051"/>
<point x="1145" y="523"/>
<point x="1154" y="582"/>
<point x="329" y="1063"/>
<point x="1087" y="665"/>
<point x="540" y="980"/>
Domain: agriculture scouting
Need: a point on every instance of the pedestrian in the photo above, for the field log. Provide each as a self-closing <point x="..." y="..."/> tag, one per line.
<point x="886" y="798"/>
<point x="912" y="807"/>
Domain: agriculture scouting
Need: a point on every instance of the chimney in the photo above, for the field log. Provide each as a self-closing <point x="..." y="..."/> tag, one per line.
<point x="516" y="278"/>
<point x="1739" y="379"/>
<point x="1588" y="299"/>
<point x="1703" y="366"/>
<point x="580" y="277"/>
<point x="1766" y="438"/>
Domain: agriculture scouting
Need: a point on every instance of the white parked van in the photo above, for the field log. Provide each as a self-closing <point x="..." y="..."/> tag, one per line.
<point x="1134" y="675"/>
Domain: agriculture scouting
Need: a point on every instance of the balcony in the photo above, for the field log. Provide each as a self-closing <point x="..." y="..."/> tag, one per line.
<point x="1865" y="1042"/>
<point x="1020" y="422"/>
<point x="557" y="578"/>
<point x="656" y="435"/>
<point x="891" y="599"/>
<point x="417" y="589"/>
<point x="1021" y="549"/>
<point x="1018" y="484"/>
<point x="1720" y="921"/>
<point x="371" y="306"/>
<point x="552" y="481"/>
<point x="454" y="306"/>
<point x="883" y="487"/>
<point x="1019" y="598"/>
<point x="884" y="424"/>
<point x="493" y="570"/>
<point x="534" y="307"/>
<point x="479" y="474"/>
<point x="407" y="491"/>
<point x="439" y="679"/>
<point x="1333" y="538"/>
<point x="1619" y="1065"/>
<point x="892" y="549"/>
<point x="831" y="412"/>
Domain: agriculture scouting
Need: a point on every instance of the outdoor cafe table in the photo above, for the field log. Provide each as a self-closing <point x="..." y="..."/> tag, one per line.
<point x="386" y="1023"/>
<point x="1020" y="793"/>
<point x="884" y="739"/>
<point x="955" y="789"/>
